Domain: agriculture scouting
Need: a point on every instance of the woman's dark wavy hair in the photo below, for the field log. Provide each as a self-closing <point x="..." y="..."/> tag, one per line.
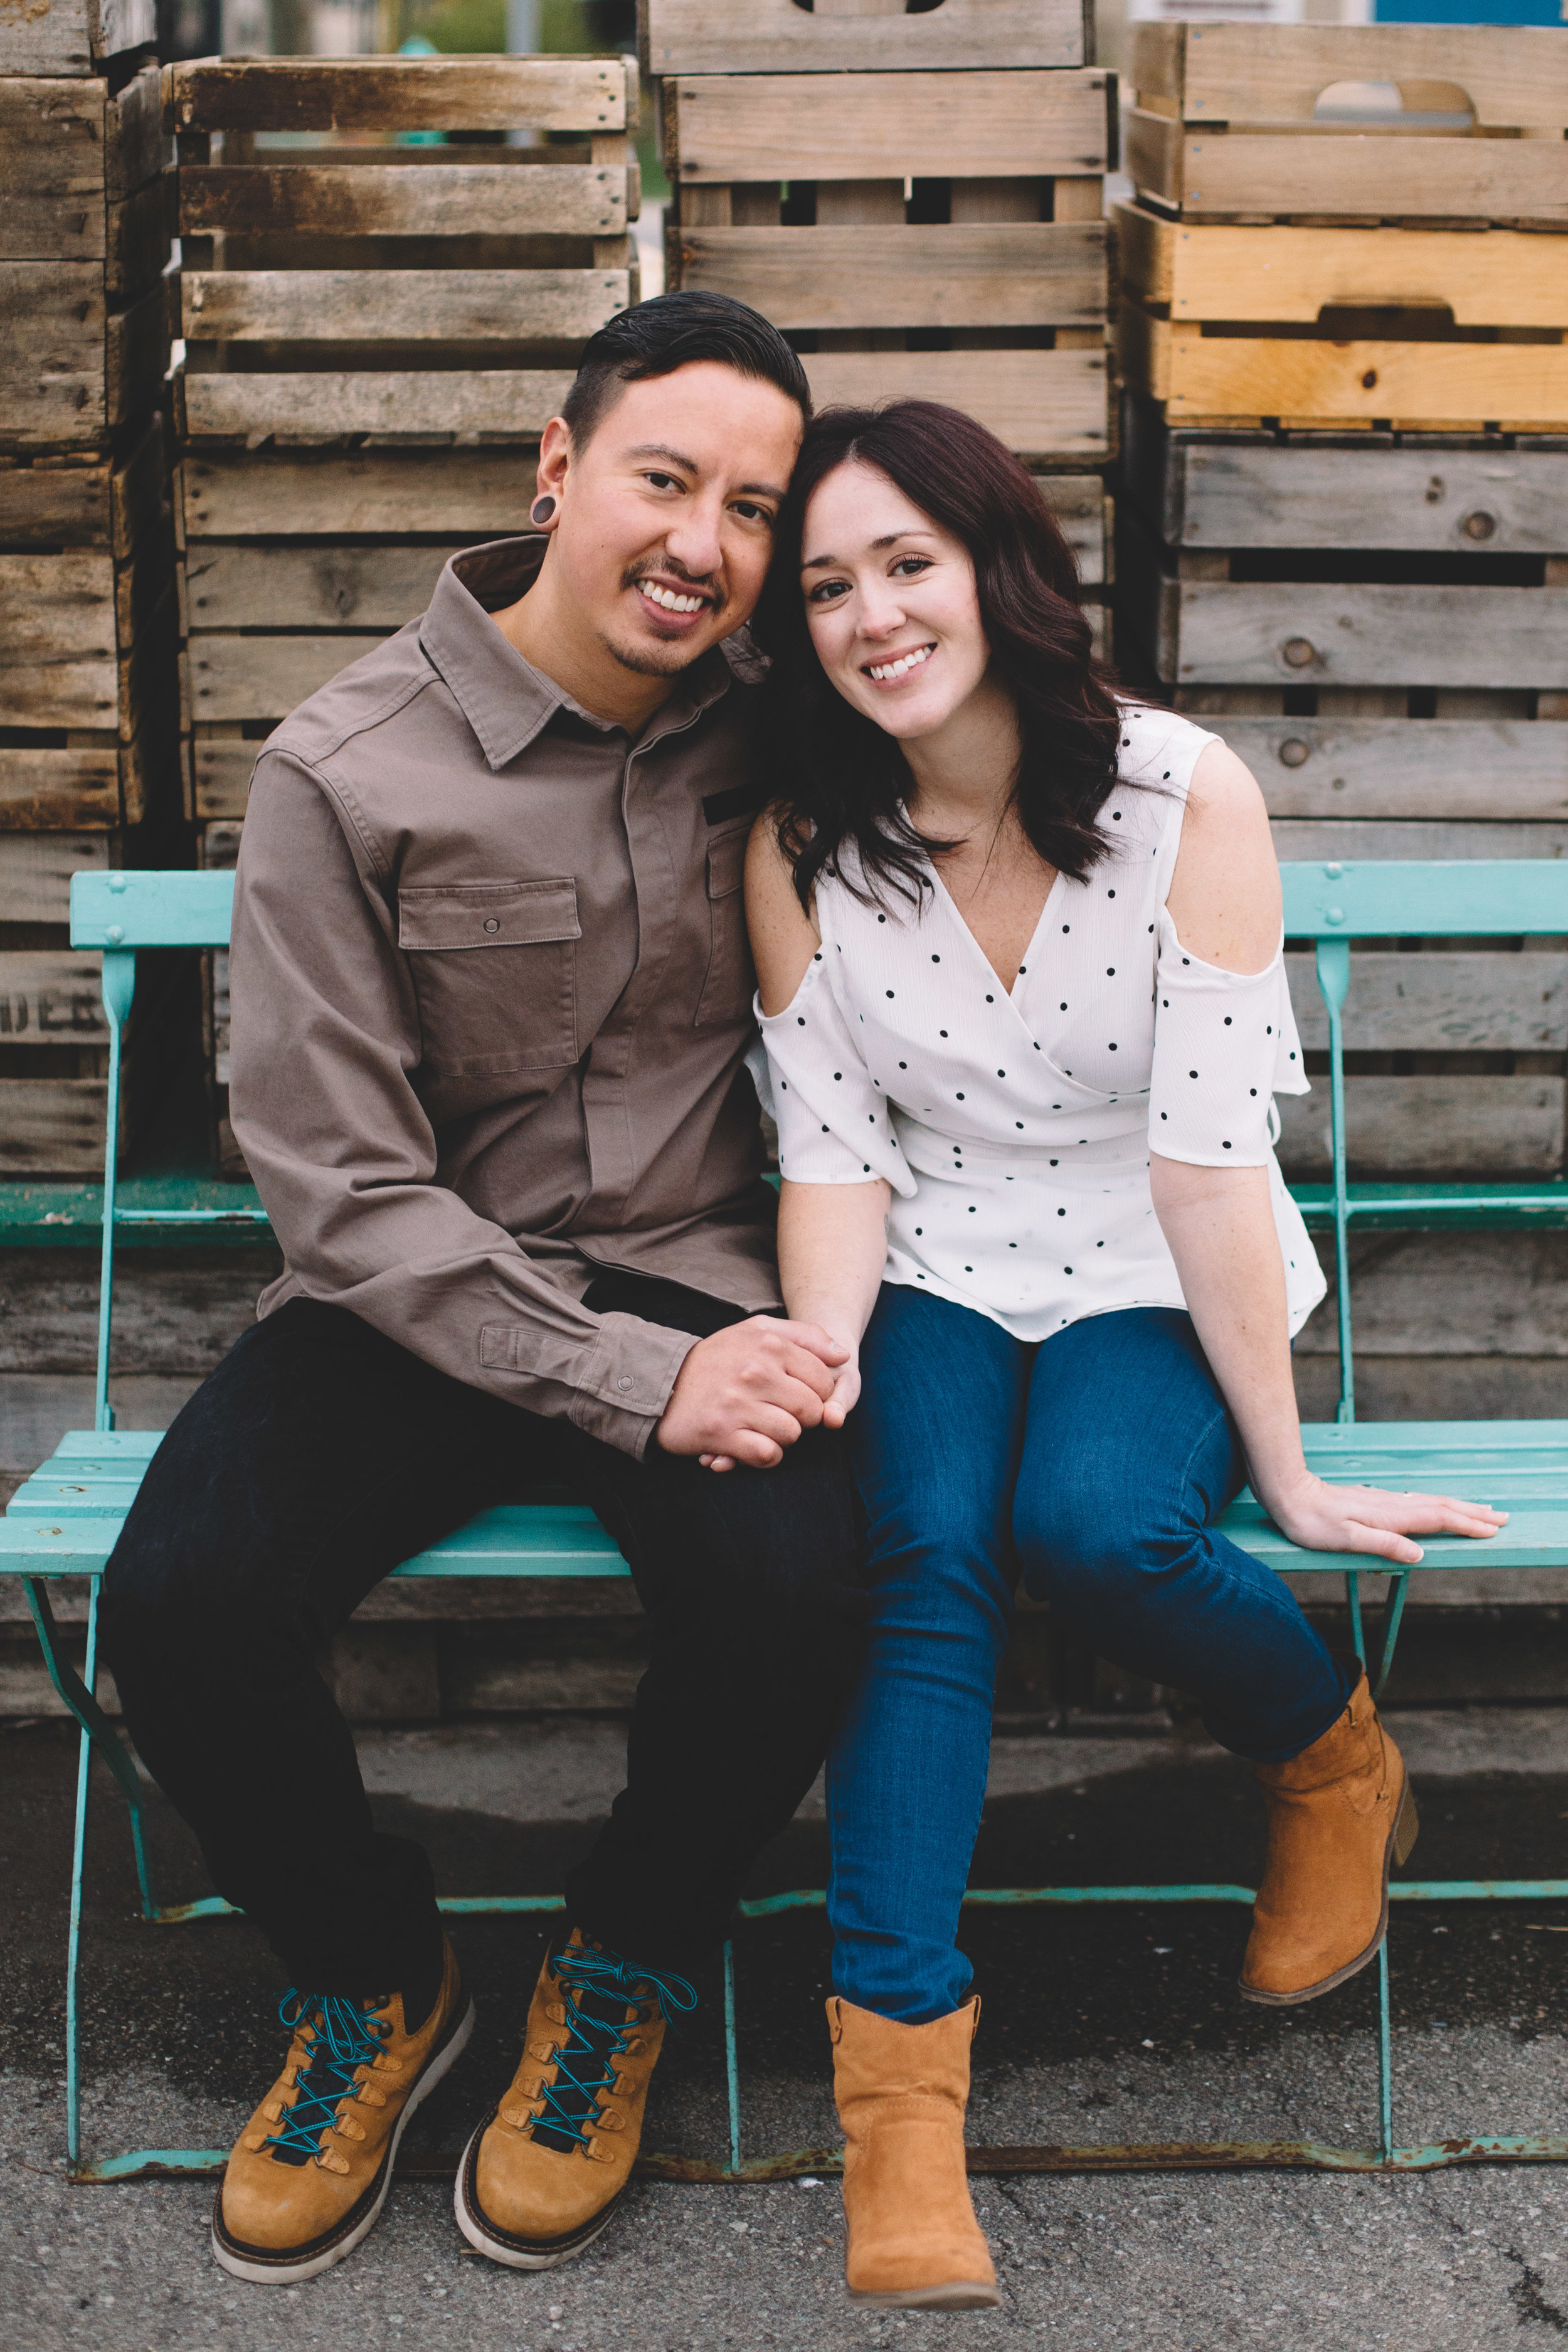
<point x="834" y="776"/>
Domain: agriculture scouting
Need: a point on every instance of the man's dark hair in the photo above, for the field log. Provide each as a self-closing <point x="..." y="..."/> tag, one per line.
<point x="672" y="332"/>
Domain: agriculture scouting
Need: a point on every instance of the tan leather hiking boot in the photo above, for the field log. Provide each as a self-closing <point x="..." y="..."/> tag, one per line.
<point x="1339" y="1815"/>
<point x="914" y="2243"/>
<point x="545" y="2170"/>
<point x="309" y="2173"/>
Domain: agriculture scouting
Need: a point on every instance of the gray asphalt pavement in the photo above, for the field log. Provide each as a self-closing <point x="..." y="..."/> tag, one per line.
<point x="1106" y="2025"/>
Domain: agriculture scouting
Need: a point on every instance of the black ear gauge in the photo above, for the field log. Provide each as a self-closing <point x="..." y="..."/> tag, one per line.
<point x="541" y="511"/>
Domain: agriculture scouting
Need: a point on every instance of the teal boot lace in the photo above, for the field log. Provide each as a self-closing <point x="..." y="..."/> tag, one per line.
<point x="348" y="2034"/>
<point x="599" y="1989"/>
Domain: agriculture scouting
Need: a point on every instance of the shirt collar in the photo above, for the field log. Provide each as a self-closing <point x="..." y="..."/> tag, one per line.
<point x="507" y="700"/>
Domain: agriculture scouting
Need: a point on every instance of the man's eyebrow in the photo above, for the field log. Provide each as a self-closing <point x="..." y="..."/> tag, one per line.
<point x="761" y="490"/>
<point x="662" y="449"/>
<point x="889" y="539"/>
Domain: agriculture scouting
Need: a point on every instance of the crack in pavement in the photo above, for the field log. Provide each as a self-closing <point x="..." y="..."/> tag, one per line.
<point x="1527" y="2298"/>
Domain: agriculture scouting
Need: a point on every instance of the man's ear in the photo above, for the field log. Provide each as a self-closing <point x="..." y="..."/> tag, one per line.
<point x="554" y="461"/>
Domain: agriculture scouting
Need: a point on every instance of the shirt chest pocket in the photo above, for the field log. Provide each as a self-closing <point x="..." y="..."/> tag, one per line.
<point x="726" y="990"/>
<point x="495" y="972"/>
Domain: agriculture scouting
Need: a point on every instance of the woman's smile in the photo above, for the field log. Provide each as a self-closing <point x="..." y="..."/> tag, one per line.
<point x="893" y="668"/>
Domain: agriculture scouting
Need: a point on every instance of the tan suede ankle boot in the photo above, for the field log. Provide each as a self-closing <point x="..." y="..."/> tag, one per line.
<point x="1339" y="1815"/>
<point x="913" y="2242"/>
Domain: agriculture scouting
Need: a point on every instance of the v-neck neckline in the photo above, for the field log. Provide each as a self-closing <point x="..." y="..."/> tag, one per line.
<point x="1022" y="972"/>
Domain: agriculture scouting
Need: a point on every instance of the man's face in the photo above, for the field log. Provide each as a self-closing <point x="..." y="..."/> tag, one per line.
<point x="666" y="520"/>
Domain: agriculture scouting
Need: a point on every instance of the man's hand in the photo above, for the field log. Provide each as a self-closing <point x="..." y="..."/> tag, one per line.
<point x="748" y="1392"/>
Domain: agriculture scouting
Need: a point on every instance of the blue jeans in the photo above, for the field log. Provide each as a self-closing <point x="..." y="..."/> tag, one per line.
<point x="1095" y="1465"/>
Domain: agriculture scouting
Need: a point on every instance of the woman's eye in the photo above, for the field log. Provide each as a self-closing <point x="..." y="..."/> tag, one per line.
<point x="825" y="591"/>
<point x="907" y="565"/>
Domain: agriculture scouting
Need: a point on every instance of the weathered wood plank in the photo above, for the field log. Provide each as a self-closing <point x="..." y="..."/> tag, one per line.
<point x="135" y="145"/>
<point x="52" y="1127"/>
<point x="266" y="493"/>
<point x="83" y="504"/>
<point x="47" y="789"/>
<point x="1042" y="404"/>
<point x="135" y="358"/>
<point x="1402" y="177"/>
<point x="389" y="200"/>
<point x="1313" y="837"/>
<point x="74" y="36"/>
<point x="1514" y="77"/>
<point x="703" y="37"/>
<point x="1489" y="278"/>
<point x="51" y="351"/>
<point x="1404" y="768"/>
<point x="450" y="94"/>
<point x="174" y="1310"/>
<point x="1079" y="505"/>
<point x="247" y="587"/>
<point x="1467" y="1295"/>
<point x="1497" y="501"/>
<point x="138" y="241"/>
<point x="296" y="408"/>
<point x="51" y="999"/>
<point x="1006" y="273"/>
<point x="51" y="157"/>
<point x="265" y="678"/>
<point x="1304" y="634"/>
<point x="217" y="852"/>
<point x="1437" y="385"/>
<point x="1429" y="1127"/>
<point x="402" y="305"/>
<point x="735" y="126"/>
<point x="58" y="659"/>
<point x="223" y="773"/>
<point x="35" y="869"/>
<point x="1466" y="1003"/>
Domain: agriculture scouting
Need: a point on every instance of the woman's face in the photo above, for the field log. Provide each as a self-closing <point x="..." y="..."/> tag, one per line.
<point x="891" y="603"/>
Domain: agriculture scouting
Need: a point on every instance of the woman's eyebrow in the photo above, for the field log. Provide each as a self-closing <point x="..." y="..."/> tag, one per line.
<point x="826" y="562"/>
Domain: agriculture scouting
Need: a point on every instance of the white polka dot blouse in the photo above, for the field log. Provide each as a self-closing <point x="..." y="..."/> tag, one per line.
<point x="1015" y="1129"/>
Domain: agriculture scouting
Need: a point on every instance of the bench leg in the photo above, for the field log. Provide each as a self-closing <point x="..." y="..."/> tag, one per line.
<point x="97" y="1735"/>
<point x="1385" y="2062"/>
<point x="1393" y="1610"/>
<point x="731" y="2066"/>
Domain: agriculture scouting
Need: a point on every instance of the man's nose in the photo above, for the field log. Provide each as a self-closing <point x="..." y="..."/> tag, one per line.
<point x="693" y="539"/>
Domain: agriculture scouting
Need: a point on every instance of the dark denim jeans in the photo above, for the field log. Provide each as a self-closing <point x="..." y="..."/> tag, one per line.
<point x="319" y="1454"/>
<point x="1095" y="1464"/>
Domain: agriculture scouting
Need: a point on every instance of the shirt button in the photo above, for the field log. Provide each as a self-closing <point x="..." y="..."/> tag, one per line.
<point x="622" y="1382"/>
<point x="492" y="923"/>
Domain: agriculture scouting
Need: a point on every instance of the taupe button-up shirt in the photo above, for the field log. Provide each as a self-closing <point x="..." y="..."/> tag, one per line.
<point x="491" y="1000"/>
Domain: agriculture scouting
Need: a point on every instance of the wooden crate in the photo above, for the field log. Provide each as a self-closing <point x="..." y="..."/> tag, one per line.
<point x="770" y="37"/>
<point x="1257" y="121"/>
<point x="1433" y="329"/>
<point x="84" y="341"/>
<point x="74" y="36"/>
<point x="54" y="1057"/>
<point x="939" y="234"/>
<point x="89" y="640"/>
<point x="297" y="562"/>
<point x="335" y="290"/>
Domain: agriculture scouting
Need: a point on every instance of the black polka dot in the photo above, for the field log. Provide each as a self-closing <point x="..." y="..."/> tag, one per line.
<point x="1224" y="1147"/>
<point x="1018" y="1123"/>
<point x="1012" y="1244"/>
<point x="1165" y="1114"/>
<point x="800" y="1020"/>
<point x="1252" y="1090"/>
<point x="1165" y="1003"/>
<point x="1192" y="1073"/>
<point x="1061" y="1213"/>
<point x="1001" y="1074"/>
<point x="936" y="959"/>
<point x="942" y="1033"/>
<point x="890" y="992"/>
<point x="1113" y="1048"/>
<point x="1269" y="1030"/>
<point x="1116" y="817"/>
<point x="1064" y="1004"/>
<point x="961" y="1097"/>
<point x="817" y="957"/>
<point x="1227" y="1021"/>
<point x="838" y="1074"/>
<point x="918" y="1230"/>
<point x="1066" y="1269"/>
<point x="1111" y="894"/>
<point x="991" y="1000"/>
<point x="1292" y="1057"/>
<point x="1023" y="968"/>
<point x="1065" y="928"/>
<point x="1110" y="972"/>
<point x="969" y="1269"/>
<point x="882" y="918"/>
<point x="864" y="1168"/>
<point x="972" y="1211"/>
<point x="1166" y="777"/>
<point x="903" y="1066"/>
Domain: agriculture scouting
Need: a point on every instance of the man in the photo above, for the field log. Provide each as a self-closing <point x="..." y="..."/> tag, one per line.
<point x="491" y="1004"/>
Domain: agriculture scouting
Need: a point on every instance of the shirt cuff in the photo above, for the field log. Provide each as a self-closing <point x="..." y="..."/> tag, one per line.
<point x="624" y="1388"/>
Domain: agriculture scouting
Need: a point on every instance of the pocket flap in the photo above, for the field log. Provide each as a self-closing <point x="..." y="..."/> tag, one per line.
<point x="727" y="862"/>
<point x="450" y="915"/>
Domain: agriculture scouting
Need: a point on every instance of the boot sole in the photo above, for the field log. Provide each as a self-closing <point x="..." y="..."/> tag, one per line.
<point x="954" y="2294"/>
<point x="485" y="2239"/>
<point x="1401" y="1839"/>
<point x="281" y="2272"/>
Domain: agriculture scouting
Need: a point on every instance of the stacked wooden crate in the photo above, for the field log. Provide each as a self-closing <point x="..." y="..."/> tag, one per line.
<point x="376" y="332"/>
<point x="916" y="200"/>
<point x="1344" y="523"/>
<point x="88" y="699"/>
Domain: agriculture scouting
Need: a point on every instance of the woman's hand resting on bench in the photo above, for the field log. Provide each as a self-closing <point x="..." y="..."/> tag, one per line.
<point x="1320" y="1517"/>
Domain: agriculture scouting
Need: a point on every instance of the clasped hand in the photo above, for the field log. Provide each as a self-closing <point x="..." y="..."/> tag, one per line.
<point x="1320" y="1517"/>
<point x="746" y="1392"/>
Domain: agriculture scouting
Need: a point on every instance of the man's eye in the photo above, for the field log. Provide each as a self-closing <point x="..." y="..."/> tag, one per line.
<point x="663" y="481"/>
<point x="749" y="511"/>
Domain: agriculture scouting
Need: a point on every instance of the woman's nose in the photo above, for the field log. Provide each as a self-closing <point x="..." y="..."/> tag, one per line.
<point x="880" y="614"/>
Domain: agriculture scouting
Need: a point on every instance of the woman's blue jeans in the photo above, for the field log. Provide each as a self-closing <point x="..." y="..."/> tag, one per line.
<point x="1094" y="1465"/>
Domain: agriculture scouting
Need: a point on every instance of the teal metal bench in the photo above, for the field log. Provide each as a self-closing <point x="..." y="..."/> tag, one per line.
<point x="64" y="1521"/>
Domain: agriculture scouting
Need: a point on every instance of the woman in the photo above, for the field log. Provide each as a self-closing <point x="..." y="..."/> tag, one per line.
<point x="1025" y="1007"/>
